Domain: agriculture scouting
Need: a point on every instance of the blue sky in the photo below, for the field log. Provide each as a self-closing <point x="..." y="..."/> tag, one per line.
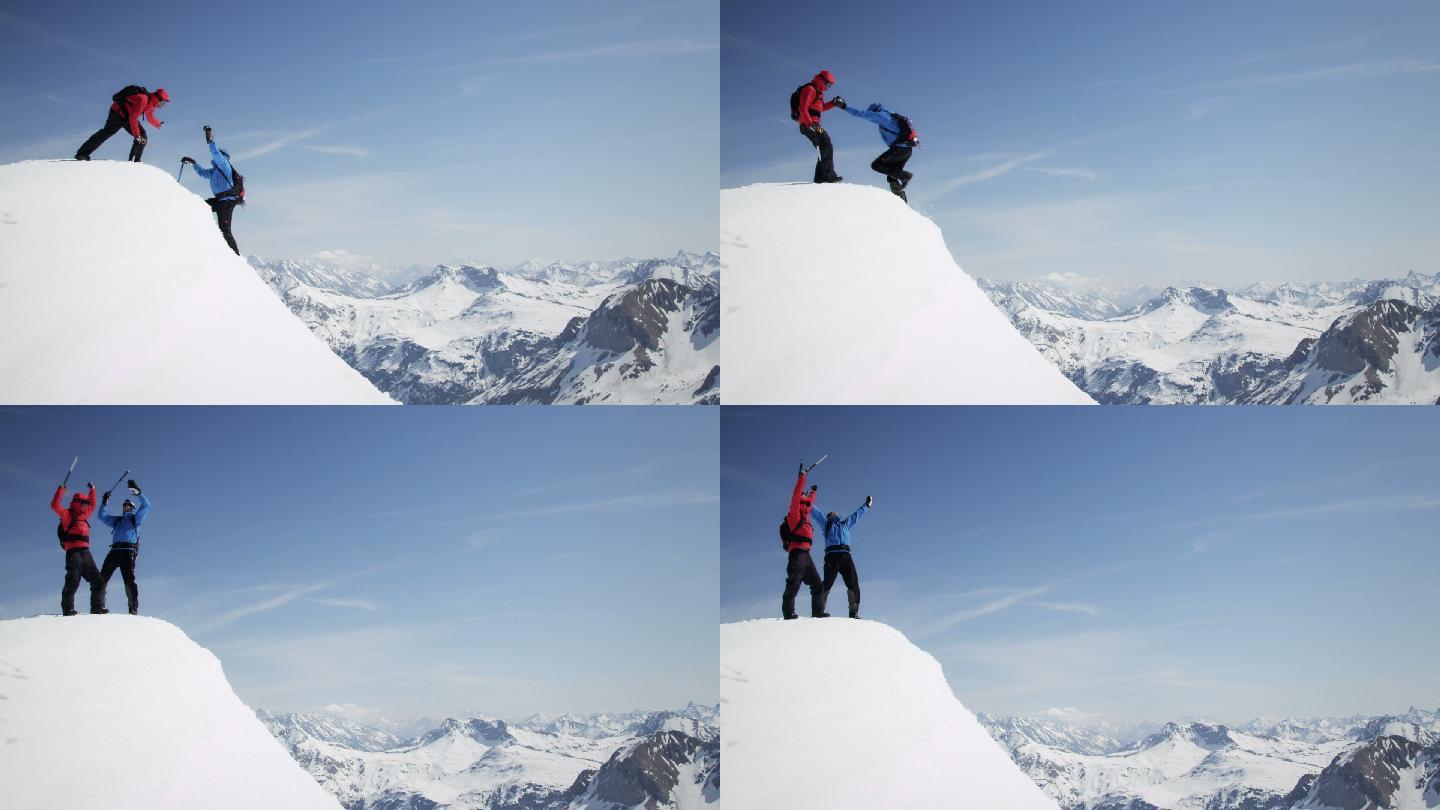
<point x="405" y="560"/>
<point x="1147" y="563"/>
<point x="400" y="133"/>
<point x="1134" y="142"/>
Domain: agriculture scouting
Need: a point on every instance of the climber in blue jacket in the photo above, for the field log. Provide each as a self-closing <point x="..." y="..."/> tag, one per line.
<point x="838" y="561"/>
<point x="225" y="192"/>
<point x="124" y="542"/>
<point x="898" y="134"/>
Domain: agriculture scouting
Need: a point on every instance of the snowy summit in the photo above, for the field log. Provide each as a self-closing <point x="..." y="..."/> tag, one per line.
<point x="119" y="290"/>
<point x="127" y="712"/>
<point x="845" y="714"/>
<point x="840" y="293"/>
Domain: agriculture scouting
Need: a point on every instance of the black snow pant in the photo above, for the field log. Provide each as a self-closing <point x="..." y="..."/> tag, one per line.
<point x="801" y="569"/>
<point x="839" y="563"/>
<point x="224" y="211"/>
<point x="78" y="564"/>
<point x="113" y="124"/>
<point x="825" y="164"/>
<point x="124" y="559"/>
<point x="891" y="163"/>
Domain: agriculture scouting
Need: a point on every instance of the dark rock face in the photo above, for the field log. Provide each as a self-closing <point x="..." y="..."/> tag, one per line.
<point x="637" y="318"/>
<point x="1370" y="776"/>
<point x="1368" y="339"/>
<point x="647" y="773"/>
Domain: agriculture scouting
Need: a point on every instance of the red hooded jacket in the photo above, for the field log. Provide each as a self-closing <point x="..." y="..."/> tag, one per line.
<point x="798" y="519"/>
<point x="135" y="105"/>
<point x="812" y="101"/>
<point x="74" y="519"/>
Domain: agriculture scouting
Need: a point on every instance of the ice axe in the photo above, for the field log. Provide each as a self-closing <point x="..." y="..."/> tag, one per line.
<point x="117" y="482"/>
<point x="182" y="170"/>
<point x="816" y="464"/>
<point x="67" y="472"/>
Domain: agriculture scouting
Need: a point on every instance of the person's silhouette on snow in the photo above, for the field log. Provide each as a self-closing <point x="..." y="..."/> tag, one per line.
<point x="74" y="533"/>
<point x="124" y="543"/>
<point x="810" y="104"/>
<point x="837" y="554"/>
<point x="796" y="535"/>
<point x="223" y="197"/>
<point x="125" y="111"/>
<point x="898" y="135"/>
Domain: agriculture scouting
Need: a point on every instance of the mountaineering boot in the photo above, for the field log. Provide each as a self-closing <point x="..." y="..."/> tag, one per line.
<point x="98" y="612"/>
<point x="787" y="616"/>
<point x="69" y="613"/>
<point x="854" y="602"/>
<point x="820" y="615"/>
<point x="79" y="156"/>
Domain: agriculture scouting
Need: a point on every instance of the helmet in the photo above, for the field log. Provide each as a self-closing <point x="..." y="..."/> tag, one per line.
<point x="826" y="76"/>
<point x="129" y="504"/>
<point x="161" y="94"/>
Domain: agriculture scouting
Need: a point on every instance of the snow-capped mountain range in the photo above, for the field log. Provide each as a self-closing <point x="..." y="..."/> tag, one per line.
<point x="627" y="331"/>
<point x="1293" y="343"/>
<point x="642" y="759"/>
<point x="1356" y="763"/>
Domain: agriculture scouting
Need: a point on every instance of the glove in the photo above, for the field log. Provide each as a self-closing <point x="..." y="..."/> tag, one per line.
<point x="209" y="136"/>
<point x="814" y="487"/>
<point x="802" y="468"/>
<point x="189" y="160"/>
<point x="105" y="499"/>
<point x="89" y="485"/>
<point x="140" y="139"/>
<point x="869" y="501"/>
<point x="838" y="102"/>
<point x="134" y="487"/>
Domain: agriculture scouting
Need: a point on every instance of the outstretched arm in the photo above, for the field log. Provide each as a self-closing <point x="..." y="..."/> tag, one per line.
<point x="55" y="501"/>
<point x="855" y="518"/>
<point x="143" y="510"/>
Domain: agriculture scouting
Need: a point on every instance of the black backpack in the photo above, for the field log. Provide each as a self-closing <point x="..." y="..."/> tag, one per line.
<point x="795" y="102"/>
<point x="786" y="536"/>
<point x="907" y="132"/>
<point x="237" y="187"/>
<point x="128" y="91"/>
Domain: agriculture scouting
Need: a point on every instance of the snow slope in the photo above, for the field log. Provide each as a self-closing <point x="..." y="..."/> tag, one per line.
<point x="127" y="712"/>
<point x="841" y="713"/>
<point x="841" y="293"/>
<point x="117" y="288"/>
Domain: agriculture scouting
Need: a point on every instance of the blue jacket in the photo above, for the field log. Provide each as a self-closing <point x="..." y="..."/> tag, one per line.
<point x="837" y="532"/>
<point x="221" y="176"/>
<point x="889" y="127"/>
<point x="123" y="530"/>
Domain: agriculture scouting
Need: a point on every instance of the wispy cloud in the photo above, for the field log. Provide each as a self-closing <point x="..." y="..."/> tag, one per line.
<point x="1205" y="106"/>
<point x="34" y="32"/>
<point x="280" y="140"/>
<point x="1071" y="607"/>
<point x="1076" y="172"/>
<point x="11" y="470"/>
<point x="1355" y="70"/>
<point x="941" y="623"/>
<point x="352" y="151"/>
<point x="356" y="604"/>
<point x="988" y="173"/>
<point x="1384" y="503"/>
<point x="654" y="47"/>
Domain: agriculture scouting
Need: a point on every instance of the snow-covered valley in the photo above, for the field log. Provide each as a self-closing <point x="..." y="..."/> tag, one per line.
<point x="1296" y="343"/>
<point x="618" y="332"/>
<point x="1355" y="763"/>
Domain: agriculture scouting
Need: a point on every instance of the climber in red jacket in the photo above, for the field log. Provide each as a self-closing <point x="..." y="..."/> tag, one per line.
<point x="797" y="535"/>
<point x="126" y="108"/>
<point x="74" y="533"/>
<point x="810" y="105"/>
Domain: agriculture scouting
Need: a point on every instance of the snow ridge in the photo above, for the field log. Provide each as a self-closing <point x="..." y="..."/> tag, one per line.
<point x="840" y="293"/>
<point x="840" y="713"/>
<point x="126" y="712"/>
<point x="118" y="289"/>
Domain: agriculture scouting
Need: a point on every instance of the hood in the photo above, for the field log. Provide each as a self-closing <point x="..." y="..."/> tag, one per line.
<point x="821" y="79"/>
